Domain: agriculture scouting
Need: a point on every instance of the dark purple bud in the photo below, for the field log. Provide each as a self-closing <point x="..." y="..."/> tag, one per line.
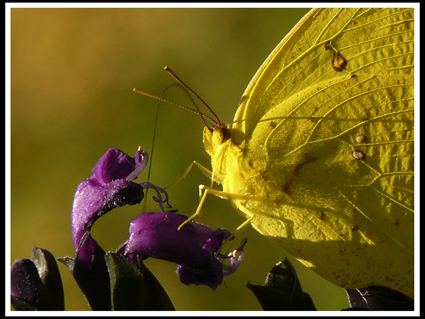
<point x="26" y="285"/>
<point x="36" y="283"/>
<point x="195" y="247"/>
<point x="110" y="187"/>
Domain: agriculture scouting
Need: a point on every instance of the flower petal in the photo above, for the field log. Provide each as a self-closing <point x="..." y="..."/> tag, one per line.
<point x="194" y="247"/>
<point x="155" y="235"/>
<point x="107" y="189"/>
<point x="115" y="164"/>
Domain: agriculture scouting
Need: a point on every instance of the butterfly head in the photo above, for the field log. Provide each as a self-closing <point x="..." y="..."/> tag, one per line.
<point x="215" y="137"/>
<point x="220" y="134"/>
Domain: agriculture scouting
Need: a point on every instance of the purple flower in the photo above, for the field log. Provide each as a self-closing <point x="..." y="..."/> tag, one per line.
<point x="35" y="284"/>
<point x="110" y="187"/>
<point x="26" y="284"/>
<point x="195" y="247"/>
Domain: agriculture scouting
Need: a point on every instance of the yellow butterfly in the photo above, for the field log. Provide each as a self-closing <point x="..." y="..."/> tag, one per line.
<point x="320" y="155"/>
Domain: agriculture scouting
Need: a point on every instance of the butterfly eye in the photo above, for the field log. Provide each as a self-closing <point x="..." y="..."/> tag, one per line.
<point x="220" y="135"/>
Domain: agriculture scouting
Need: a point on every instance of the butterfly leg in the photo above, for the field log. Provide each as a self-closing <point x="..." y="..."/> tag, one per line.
<point x="208" y="174"/>
<point x="238" y="230"/>
<point x="203" y="192"/>
<point x="198" y="210"/>
<point x="204" y="171"/>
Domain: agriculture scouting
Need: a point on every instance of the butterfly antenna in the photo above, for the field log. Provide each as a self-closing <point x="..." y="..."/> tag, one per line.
<point x="170" y="72"/>
<point x="176" y="104"/>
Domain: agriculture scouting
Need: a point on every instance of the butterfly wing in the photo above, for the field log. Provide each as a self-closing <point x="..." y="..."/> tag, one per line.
<point x="371" y="41"/>
<point x="325" y="130"/>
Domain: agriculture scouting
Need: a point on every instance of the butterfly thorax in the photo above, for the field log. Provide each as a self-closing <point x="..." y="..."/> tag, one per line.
<point x="219" y="146"/>
<point x="240" y="179"/>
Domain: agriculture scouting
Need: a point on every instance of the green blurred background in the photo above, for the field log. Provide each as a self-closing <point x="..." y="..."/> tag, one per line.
<point x="72" y="75"/>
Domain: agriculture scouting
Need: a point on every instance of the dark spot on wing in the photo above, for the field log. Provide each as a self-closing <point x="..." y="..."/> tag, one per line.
<point x="328" y="45"/>
<point x="339" y="62"/>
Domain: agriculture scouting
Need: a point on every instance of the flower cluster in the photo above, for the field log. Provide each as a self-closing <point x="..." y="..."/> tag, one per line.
<point x="194" y="248"/>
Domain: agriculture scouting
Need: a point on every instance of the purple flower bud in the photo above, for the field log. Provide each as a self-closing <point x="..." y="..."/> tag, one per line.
<point x="110" y="187"/>
<point x="26" y="284"/>
<point x="195" y="247"/>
